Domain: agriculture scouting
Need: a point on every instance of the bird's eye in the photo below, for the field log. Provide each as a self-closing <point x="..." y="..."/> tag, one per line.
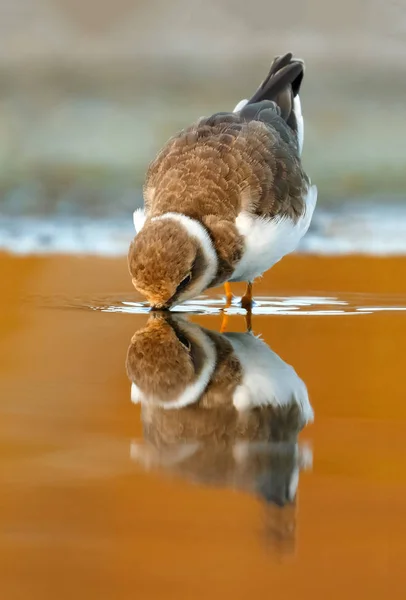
<point x="184" y="283"/>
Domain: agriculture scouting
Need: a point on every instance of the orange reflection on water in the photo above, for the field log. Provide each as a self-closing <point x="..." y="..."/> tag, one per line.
<point x="79" y="518"/>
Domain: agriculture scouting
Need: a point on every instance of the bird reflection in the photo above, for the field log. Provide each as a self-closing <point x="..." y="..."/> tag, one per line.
<point x="220" y="409"/>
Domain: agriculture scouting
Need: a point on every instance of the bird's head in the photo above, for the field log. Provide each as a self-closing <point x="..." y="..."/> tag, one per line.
<point x="171" y="260"/>
<point x="170" y="361"/>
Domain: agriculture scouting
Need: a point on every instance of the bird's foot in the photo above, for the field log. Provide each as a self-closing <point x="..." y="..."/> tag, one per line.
<point x="224" y="323"/>
<point x="246" y="300"/>
<point x="246" y="303"/>
<point x="248" y="320"/>
<point x="229" y="298"/>
<point x="229" y="295"/>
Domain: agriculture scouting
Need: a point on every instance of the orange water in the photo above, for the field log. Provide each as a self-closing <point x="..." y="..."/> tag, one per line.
<point x="80" y="519"/>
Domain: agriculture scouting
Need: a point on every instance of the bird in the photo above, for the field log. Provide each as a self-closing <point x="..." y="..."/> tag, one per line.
<point x="219" y="408"/>
<point x="173" y="363"/>
<point x="225" y="198"/>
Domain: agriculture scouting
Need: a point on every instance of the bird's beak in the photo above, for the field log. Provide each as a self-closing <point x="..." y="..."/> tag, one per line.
<point x="156" y="302"/>
<point x="155" y="307"/>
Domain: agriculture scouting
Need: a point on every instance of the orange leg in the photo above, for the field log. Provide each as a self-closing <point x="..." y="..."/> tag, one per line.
<point x="248" y="322"/>
<point x="229" y="294"/>
<point x="224" y="323"/>
<point x="229" y="297"/>
<point x="246" y="300"/>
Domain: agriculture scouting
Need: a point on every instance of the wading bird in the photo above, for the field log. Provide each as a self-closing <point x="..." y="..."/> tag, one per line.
<point x="226" y="198"/>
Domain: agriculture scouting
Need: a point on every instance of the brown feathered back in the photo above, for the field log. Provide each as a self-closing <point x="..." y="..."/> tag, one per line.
<point x="229" y="162"/>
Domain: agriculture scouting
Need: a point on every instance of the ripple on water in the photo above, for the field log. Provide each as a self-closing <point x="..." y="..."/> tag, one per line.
<point x="351" y="304"/>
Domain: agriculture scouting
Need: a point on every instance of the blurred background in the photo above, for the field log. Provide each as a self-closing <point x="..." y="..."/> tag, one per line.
<point x="91" y="89"/>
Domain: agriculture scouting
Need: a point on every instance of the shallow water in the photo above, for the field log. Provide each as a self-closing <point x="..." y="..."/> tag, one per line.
<point x="95" y="505"/>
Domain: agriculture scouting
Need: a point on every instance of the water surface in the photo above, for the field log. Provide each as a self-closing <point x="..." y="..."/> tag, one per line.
<point x="83" y="516"/>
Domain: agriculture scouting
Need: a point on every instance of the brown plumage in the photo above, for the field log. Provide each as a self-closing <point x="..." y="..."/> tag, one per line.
<point x="220" y="170"/>
<point x="171" y="354"/>
<point x="167" y="355"/>
<point x="210" y="439"/>
<point x="224" y="164"/>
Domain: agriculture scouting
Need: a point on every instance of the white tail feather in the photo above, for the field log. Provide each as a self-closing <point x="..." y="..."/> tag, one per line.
<point x="240" y="105"/>
<point x="297" y="109"/>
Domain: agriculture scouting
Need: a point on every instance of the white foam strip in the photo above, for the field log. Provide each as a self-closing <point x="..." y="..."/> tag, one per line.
<point x="365" y="229"/>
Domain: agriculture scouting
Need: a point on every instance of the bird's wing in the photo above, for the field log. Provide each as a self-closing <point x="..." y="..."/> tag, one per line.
<point x="227" y="163"/>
